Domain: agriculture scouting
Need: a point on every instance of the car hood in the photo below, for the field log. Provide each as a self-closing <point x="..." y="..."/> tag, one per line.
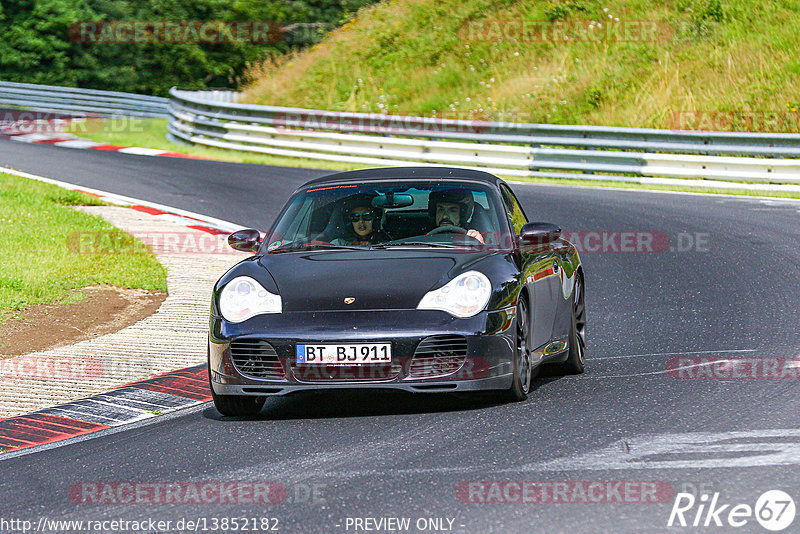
<point x="397" y="279"/>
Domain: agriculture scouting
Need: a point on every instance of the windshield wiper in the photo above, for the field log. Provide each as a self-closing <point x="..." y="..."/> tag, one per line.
<point x="293" y="248"/>
<point x="417" y="244"/>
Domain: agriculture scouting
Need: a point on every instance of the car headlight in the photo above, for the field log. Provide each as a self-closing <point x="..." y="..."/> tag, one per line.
<point x="243" y="298"/>
<point x="463" y="296"/>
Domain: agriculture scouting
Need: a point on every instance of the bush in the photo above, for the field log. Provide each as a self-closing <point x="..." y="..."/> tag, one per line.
<point x="37" y="48"/>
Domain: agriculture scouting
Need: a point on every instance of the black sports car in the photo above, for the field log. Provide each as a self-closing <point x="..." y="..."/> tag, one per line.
<point x="420" y="279"/>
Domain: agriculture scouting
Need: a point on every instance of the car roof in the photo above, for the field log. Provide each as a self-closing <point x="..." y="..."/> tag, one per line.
<point x="389" y="173"/>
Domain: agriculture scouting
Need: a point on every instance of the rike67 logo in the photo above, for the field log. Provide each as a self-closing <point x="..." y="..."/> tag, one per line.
<point x="774" y="510"/>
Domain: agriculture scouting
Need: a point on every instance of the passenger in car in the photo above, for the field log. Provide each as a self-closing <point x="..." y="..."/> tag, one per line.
<point x="362" y="224"/>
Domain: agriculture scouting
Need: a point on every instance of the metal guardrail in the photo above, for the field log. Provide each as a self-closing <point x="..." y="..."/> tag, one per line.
<point x="88" y="102"/>
<point x="217" y="95"/>
<point x="215" y="119"/>
<point x="556" y="151"/>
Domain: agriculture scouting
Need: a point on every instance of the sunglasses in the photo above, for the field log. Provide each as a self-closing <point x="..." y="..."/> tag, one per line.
<point x="363" y="216"/>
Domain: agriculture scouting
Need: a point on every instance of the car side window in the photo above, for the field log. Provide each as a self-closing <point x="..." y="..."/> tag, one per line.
<point x="295" y="221"/>
<point x="514" y="211"/>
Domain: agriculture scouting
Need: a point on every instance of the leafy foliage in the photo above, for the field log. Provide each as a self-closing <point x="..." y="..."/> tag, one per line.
<point x="37" y="48"/>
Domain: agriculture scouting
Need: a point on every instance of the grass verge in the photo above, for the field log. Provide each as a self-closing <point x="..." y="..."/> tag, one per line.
<point x="38" y="265"/>
<point x="695" y="64"/>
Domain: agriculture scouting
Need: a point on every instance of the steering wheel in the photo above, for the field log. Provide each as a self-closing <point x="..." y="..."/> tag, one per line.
<point x="450" y="229"/>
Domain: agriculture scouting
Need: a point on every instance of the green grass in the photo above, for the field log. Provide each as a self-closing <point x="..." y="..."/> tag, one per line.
<point x="419" y="57"/>
<point x="40" y="261"/>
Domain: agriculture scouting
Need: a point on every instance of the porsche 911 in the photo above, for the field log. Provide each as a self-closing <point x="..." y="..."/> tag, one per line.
<point x="427" y="280"/>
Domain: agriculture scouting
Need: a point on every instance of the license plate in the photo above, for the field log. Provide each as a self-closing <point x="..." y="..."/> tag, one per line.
<point x="339" y="354"/>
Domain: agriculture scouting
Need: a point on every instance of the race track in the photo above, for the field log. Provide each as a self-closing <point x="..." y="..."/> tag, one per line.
<point x="732" y="293"/>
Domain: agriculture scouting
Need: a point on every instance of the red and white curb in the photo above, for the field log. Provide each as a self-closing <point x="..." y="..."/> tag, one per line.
<point x="70" y="141"/>
<point x="134" y="402"/>
<point x="195" y="221"/>
<point x="125" y="404"/>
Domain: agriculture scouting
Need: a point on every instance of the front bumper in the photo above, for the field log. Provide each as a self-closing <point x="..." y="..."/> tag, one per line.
<point x="486" y="366"/>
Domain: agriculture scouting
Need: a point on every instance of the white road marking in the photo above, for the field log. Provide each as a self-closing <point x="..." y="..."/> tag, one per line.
<point x="176" y="219"/>
<point x="139" y="151"/>
<point x="77" y="143"/>
<point x="771" y="202"/>
<point x="31" y="138"/>
<point x="756" y="448"/>
<point x="710" y="450"/>
<point x="724" y="351"/>
<point x="586" y="377"/>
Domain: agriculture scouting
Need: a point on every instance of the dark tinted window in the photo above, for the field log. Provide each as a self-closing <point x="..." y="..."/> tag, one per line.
<point x="389" y="213"/>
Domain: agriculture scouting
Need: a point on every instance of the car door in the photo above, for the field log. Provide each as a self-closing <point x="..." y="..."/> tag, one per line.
<point x="540" y="272"/>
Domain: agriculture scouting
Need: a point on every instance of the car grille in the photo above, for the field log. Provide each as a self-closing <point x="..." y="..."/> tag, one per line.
<point x="438" y="356"/>
<point x="256" y="358"/>
<point x="345" y="373"/>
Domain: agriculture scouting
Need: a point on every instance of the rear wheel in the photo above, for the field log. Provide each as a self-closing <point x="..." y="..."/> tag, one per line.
<point x="235" y="405"/>
<point x="521" y="364"/>
<point x="576" y="360"/>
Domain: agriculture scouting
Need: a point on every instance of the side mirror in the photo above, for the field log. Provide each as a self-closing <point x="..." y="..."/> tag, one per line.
<point x="245" y="240"/>
<point x="539" y="233"/>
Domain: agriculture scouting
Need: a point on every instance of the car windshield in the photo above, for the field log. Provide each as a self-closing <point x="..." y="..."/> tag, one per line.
<point x="431" y="215"/>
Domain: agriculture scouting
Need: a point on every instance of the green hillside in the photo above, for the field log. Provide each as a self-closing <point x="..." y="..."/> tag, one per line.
<point x="701" y="64"/>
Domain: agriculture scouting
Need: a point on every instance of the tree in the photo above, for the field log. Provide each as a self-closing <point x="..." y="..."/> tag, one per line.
<point x="43" y="42"/>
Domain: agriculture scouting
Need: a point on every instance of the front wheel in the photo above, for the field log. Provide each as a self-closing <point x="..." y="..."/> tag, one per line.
<point x="235" y="405"/>
<point x="521" y="364"/>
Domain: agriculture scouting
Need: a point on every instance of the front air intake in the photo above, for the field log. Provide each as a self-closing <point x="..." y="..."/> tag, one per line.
<point x="256" y="358"/>
<point x="438" y="356"/>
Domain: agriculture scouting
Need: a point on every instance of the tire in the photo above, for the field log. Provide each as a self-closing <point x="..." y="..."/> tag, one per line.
<point x="235" y="405"/>
<point x="576" y="359"/>
<point x="521" y="363"/>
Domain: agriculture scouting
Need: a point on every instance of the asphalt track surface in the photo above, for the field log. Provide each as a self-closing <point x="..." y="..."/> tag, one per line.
<point x="396" y="455"/>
